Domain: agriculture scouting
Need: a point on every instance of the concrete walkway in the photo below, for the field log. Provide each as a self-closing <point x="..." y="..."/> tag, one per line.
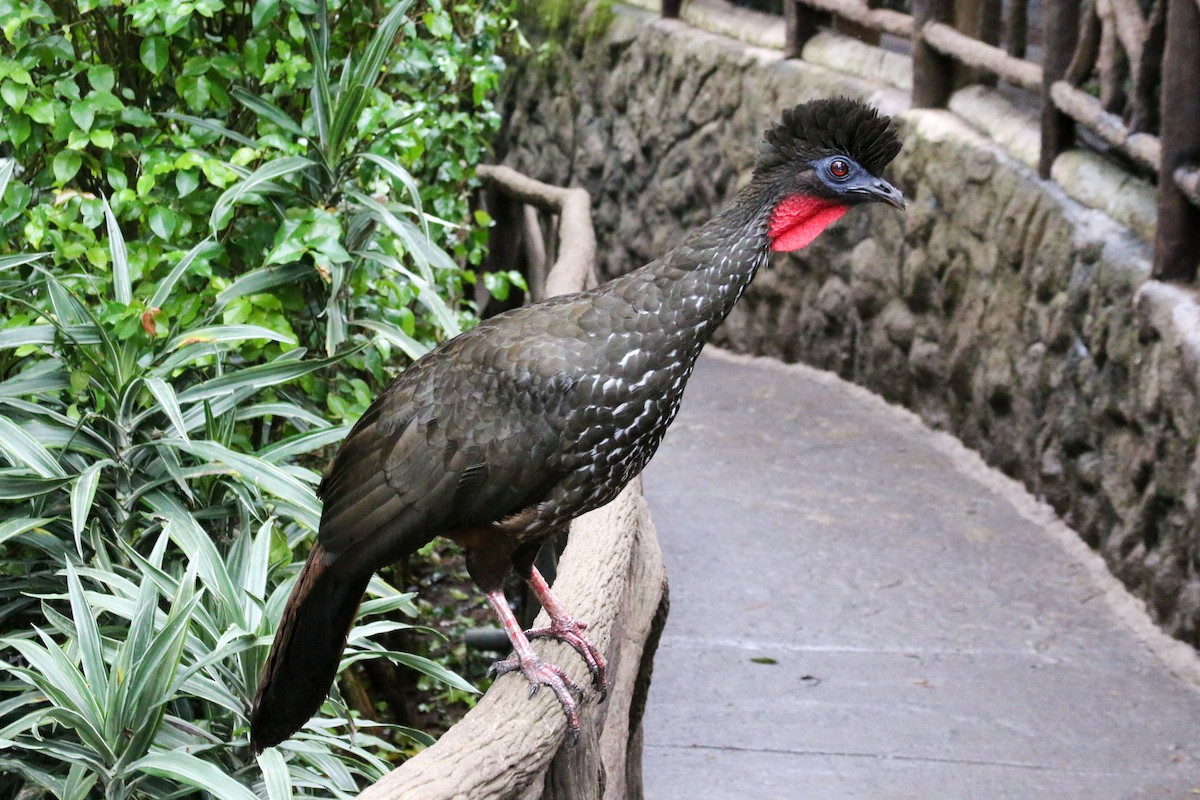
<point x="860" y="609"/>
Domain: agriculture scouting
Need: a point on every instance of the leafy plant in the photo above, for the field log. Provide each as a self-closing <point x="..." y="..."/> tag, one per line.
<point x="335" y="172"/>
<point x="146" y="683"/>
<point x="110" y="417"/>
<point x="194" y="197"/>
<point x="148" y="442"/>
<point x="167" y="109"/>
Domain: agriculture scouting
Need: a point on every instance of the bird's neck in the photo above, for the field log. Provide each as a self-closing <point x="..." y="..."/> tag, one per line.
<point x="704" y="276"/>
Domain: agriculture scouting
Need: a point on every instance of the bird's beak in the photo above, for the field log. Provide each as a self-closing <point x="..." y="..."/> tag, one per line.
<point x="877" y="190"/>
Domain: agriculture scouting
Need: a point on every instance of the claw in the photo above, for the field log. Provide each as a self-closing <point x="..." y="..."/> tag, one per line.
<point x="570" y="632"/>
<point x="540" y="673"/>
<point x="566" y="629"/>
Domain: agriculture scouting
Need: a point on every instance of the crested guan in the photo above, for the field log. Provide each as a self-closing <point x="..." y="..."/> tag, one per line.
<point x="501" y="436"/>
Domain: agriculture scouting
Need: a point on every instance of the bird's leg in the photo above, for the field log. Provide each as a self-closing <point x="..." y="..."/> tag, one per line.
<point x="538" y="672"/>
<point x="566" y="629"/>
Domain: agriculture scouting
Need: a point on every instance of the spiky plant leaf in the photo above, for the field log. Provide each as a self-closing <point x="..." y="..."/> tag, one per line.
<point x="83" y="494"/>
<point x="122" y="283"/>
<point x="276" y="779"/>
<point x="87" y="636"/>
<point x="193" y="771"/>
<point x="24" y="451"/>
<point x="258" y="180"/>
<point x="163" y="291"/>
<point x="11" y="528"/>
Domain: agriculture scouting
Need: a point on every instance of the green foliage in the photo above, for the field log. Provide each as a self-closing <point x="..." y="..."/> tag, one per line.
<point x="145" y="685"/>
<point x="333" y="151"/>
<point x="195" y="195"/>
<point x="117" y="446"/>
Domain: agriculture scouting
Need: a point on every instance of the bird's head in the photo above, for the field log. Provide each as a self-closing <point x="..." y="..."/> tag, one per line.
<point x="824" y="157"/>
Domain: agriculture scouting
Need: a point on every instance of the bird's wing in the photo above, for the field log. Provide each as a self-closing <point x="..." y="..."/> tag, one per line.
<point x="473" y="433"/>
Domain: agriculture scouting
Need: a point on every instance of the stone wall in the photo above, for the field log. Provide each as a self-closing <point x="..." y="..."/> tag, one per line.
<point x="997" y="307"/>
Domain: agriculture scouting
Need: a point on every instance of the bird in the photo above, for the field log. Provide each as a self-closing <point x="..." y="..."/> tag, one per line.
<point x="500" y="436"/>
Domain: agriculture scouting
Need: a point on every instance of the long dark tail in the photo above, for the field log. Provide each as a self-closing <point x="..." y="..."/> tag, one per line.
<point x="307" y="649"/>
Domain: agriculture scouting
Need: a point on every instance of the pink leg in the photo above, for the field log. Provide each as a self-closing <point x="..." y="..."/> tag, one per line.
<point x="565" y="629"/>
<point x="538" y="672"/>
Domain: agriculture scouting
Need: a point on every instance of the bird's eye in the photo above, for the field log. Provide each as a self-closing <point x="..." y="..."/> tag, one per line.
<point x="838" y="168"/>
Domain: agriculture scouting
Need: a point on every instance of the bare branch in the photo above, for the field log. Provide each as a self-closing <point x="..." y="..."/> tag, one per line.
<point x="974" y="53"/>
<point x="879" y="19"/>
<point x="576" y="240"/>
<point x="1081" y="106"/>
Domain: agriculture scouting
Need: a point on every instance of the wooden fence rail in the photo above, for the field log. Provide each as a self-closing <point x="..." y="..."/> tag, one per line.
<point x="511" y="746"/>
<point x="1131" y="80"/>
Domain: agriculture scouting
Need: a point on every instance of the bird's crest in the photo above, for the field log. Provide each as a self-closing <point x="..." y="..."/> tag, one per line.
<point x="833" y="126"/>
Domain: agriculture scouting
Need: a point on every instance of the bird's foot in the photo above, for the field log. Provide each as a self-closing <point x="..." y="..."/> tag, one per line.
<point x="541" y="673"/>
<point x="570" y="632"/>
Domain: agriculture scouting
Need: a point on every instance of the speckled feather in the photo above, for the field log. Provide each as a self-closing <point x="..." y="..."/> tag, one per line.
<point x="535" y="416"/>
<point x="507" y="432"/>
<point x="543" y="413"/>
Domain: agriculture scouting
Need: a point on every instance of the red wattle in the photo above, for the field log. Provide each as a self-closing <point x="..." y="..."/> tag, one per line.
<point x="800" y="218"/>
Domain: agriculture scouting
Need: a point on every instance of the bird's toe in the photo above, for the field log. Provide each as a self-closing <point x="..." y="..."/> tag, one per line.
<point x="541" y="673"/>
<point x="571" y="632"/>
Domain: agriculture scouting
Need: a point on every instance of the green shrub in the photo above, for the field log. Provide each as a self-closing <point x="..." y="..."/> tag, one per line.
<point x="135" y="457"/>
<point x="196" y="195"/>
<point x="165" y="109"/>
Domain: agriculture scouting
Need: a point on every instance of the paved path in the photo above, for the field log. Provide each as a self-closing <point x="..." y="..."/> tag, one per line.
<point x="860" y="609"/>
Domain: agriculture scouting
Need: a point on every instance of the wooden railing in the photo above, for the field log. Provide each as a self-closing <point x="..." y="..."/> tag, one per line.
<point x="1130" y="80"/>
<point x="610" y="576"/>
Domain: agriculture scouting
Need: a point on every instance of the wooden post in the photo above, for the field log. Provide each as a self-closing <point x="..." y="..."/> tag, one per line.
<point x="670" y="8"/>
<point x="979" y="19"/>
<point x="801" y="23"/>
<point x="1177" y="241"/>
<point x="1016" y="27"/>
<point x="861" y="32"/>
<point x="1062" y="31"/>
<point x="933" y="73"/>
<point x="1144" y="115"/>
